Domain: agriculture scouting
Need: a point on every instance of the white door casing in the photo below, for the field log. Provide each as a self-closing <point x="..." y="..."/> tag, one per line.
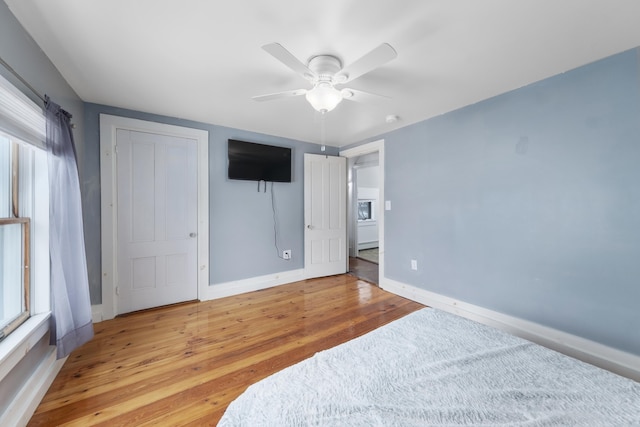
<point x="325" y="237"/>
<point x="360" y="150"/>
<point x="176" y="249"/>
<point x="157" y="186"/>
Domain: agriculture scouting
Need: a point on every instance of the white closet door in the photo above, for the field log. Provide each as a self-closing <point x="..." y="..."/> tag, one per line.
<point x="157" y="188"/>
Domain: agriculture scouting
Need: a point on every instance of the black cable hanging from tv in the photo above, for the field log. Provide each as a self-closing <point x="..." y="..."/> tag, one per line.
<point x="275" y="223"/>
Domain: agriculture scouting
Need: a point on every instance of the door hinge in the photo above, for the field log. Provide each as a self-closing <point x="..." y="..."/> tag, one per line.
<point x="117" y="290"/>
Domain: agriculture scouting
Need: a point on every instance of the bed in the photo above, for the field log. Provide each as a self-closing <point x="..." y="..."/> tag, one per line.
<point x="435" y="368"/>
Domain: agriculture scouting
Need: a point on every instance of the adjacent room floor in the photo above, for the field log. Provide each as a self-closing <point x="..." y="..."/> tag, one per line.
<point x="369" y="255"/>
<point x="365" y="266"/>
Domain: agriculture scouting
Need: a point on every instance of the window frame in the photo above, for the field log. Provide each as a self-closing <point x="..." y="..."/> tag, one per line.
<point x="18" y="192"/>
<point x="370" y="210"/>
<point x="26" y="275"/>
<point x="23" y="122"/>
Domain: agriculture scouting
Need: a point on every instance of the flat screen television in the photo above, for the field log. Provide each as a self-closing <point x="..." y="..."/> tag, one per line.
<point x="258" y="162"/>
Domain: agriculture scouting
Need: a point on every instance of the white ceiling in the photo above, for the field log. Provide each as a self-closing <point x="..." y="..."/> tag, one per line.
<point x="202" y="59"/>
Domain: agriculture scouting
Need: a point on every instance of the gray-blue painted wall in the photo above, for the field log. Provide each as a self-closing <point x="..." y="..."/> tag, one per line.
<point x="21" y="52"/>
<point x="241" y="218"/>
<point x="528" y="203"/>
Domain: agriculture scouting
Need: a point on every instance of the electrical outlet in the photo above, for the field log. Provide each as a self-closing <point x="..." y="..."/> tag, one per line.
<point x="414" y="264"/>
<point x="286" y="254"/>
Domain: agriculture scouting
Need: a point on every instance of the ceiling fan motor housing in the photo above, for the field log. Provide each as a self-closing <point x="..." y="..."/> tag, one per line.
<point x="325" y="67"/>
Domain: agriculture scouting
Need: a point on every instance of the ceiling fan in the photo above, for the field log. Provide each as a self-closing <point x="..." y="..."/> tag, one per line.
<point x="324" y="72"/>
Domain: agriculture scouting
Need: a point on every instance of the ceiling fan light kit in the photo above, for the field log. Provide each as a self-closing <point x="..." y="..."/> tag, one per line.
<point x="326" y="71"/>
<point x="324" y="97"/>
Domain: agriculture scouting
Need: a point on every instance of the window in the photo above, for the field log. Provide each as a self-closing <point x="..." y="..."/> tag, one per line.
<point x="364" y="210"/>
<point x="15" y="244"/>
<point x="23" y="210"/>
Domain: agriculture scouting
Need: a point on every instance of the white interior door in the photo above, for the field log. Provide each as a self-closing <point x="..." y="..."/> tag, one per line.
<point x="157" y="220"/>
<point x="325" y="211"/>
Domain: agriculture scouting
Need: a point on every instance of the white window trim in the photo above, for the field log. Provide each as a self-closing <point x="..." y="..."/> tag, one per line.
<point x="20" y="116"/>
<point x="18" y="343"/>
<point x="41" y="295"/>
<point x="32" y="131"/>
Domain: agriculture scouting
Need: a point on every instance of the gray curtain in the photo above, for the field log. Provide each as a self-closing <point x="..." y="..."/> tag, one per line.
<point x="71" y="305"/>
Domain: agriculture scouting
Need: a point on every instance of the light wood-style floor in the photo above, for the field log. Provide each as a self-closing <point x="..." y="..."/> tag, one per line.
<point x="182" y="365"/>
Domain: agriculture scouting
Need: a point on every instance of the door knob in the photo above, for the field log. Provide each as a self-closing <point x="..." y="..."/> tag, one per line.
<point x="193" y="234"/>
<point x="310" y="227"/>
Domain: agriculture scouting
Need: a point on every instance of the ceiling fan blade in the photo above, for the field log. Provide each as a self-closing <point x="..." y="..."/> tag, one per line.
<point x="283" y="55"/>
<point x="278" y="95"/>
<point x="360" y="95"/>
<point x="372" y="60"/>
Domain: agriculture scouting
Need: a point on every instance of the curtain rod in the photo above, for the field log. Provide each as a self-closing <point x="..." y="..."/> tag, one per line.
<point x="26" y="83"/>
<point x="19" y="77"/>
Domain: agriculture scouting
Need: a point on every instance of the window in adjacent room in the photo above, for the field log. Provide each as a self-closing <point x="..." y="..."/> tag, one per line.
<point x="364" y="210"/>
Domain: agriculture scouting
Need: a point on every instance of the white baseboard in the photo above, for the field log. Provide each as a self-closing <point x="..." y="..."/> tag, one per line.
<point x="96" y="313"/>
<point x="236" y="287"/>
<point x="611" y="359"/>
<point x="30" y="395"/>
<point x="368" y="245"/>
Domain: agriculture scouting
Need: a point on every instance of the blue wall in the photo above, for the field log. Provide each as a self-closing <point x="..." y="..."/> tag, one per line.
<point x="21" y="52"/>
<point x="528" y="203"/>
<point x="241" y="224"/>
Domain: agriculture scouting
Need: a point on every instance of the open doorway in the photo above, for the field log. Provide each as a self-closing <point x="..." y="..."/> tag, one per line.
<point x="366" y="250"/>
<point x="365" y="214"/>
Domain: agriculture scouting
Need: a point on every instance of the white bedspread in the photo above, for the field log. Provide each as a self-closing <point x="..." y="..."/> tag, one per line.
<point x="434" y="368"/>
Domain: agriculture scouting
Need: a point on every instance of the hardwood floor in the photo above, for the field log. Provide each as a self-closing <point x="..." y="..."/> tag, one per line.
<point x="182" y="365"/>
